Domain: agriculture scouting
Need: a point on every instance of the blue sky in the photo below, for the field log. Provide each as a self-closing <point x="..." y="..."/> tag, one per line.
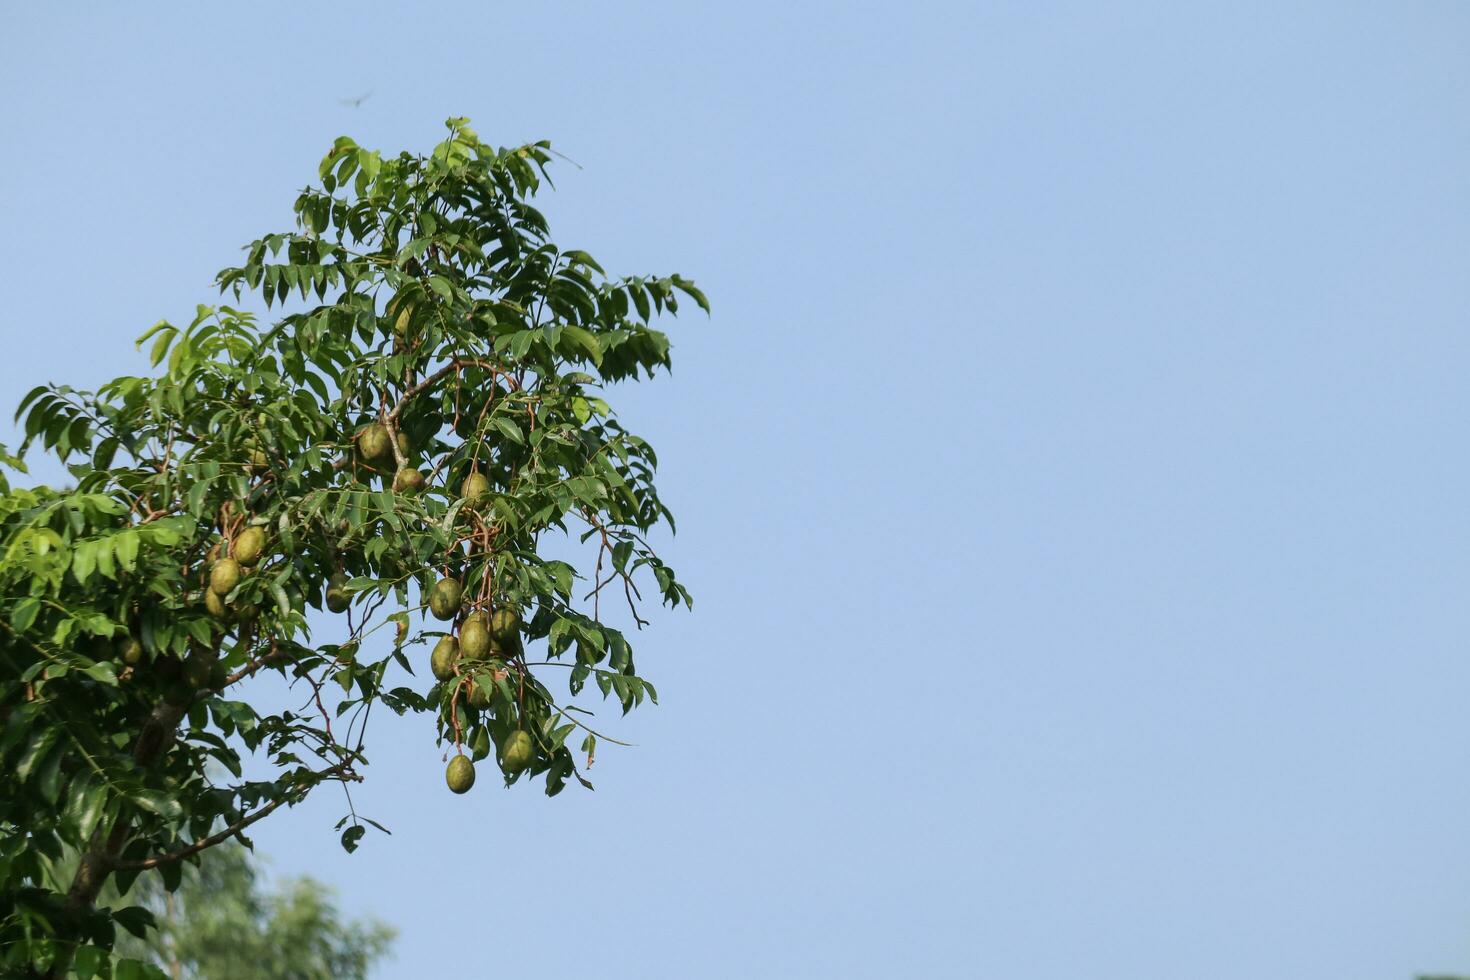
<point x="1072" y="478"/>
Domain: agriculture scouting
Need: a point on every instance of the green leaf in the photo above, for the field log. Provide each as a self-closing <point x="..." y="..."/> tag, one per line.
<point x="23" y="614"/>
<point x="351" y="836"/>
<point x="135" y="970"/>
<point x="135" y="919"/>
<point x="369" y="162"/>
<point x="585" y="339"/>
<point x="84" y="561"/>
<point x="125" y="545"/>
<point x="508" y="429"/>
<point x="88" y="798"/>
<point x="160" y="347"/>
<point x="156" y="802"/>
<point x="283" y="602"/>
<point x="687" y="287"/>
<point x="103" y="671"/>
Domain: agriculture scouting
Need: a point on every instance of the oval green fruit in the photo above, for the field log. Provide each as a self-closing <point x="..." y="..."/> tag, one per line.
<point x="516" y="752"/>
<point x="249" y="546"/>
<point x="224" y="575"/>
<point x="130" y="651"/>
<point x="257" y="462"/>
<point x="480" y="743"/>
<point x="460" y="775"/>
<point x="445" y="597"/>
<point x="374" y="443"/>
<point x="475" y="489"/>
<point x="441" y="662"/>
<point x="477" y="697"/>
<point x="196" y="671"/>
<point x="474" y="637"/>
<point x="215" y="606"/>
<point x="408" y="480"/>
<point x="505" y="624"/>
<point x="337" y="598"/>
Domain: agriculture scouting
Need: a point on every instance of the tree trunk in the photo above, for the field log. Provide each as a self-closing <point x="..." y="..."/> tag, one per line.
<point x="175" y="968"/>
<point x="153" y="741"/>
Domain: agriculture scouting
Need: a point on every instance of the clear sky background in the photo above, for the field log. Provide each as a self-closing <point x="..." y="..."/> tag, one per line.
<point x="1072" y="480"/>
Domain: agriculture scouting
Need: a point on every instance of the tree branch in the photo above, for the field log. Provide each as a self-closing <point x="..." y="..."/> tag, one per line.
<point x="430" y="380"/>
<point x="201" y="844"/>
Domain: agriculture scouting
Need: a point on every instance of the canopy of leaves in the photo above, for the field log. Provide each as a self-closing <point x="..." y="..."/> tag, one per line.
<point x="423" y="402"/>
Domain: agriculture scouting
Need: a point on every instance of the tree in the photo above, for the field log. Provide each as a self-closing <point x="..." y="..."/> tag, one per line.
<point x="403" y="444"/>
<point x="218" y="925"/>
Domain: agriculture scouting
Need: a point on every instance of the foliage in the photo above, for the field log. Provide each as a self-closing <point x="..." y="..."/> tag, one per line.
<point x="428" y="336"/>
<point x="218" y="925"/>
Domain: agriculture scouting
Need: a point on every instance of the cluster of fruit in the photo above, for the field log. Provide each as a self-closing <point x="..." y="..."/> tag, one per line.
<point x="375" y="446"/>
<point x="227" y="569"/>
<point x="484" y="643"/>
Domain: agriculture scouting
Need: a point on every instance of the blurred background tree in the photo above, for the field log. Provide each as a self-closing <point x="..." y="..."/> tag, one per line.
<point x="223" y="923"/>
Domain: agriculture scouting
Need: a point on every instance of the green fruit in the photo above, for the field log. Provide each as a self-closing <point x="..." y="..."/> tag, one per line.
<point x="196" y="671"/>
<point x="257" y="462"/>
<point x="408" y="480"/>
<point x="404" y="446"/>
<point x="215" y="606"/>
<point x="474" y="489"/>
<point x="474" y="637"/>
<point x="249" y="546"/>
<point x="445" y="597"/>
<point x="441" y="662"/>
<point x="224" y="575"/>
<point x="477" y="697"/>
<point x="516" y="752"/>
<point x="337" y="598"/>
<point x="130" y="651"/>
<point x="460" y="775"/>
<point x="374" y="443"/>
<point x="505" y="624"/>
